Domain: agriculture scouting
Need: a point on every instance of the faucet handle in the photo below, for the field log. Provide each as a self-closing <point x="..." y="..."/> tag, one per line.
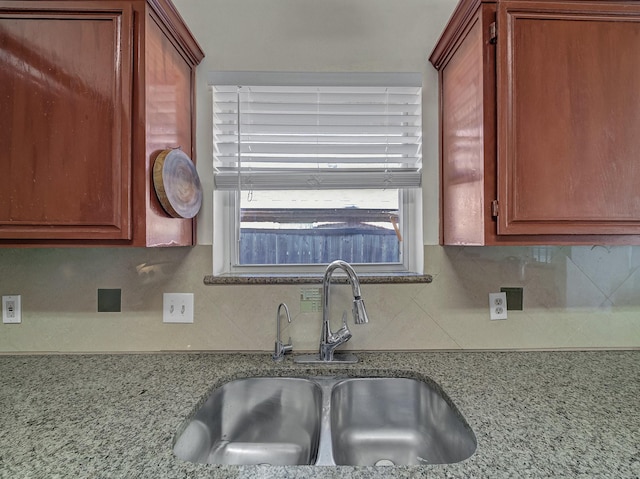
<point x="288" y="347"/>
<point x="343" y="334"/>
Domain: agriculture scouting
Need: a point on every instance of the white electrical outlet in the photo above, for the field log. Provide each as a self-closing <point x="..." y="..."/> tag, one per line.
<point x="498" y="305"/>
<point x="11" y="309"/>
<point x="177" y="307"/>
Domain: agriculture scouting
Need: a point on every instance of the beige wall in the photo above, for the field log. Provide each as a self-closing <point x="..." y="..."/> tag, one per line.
<point x="578" y="297"/>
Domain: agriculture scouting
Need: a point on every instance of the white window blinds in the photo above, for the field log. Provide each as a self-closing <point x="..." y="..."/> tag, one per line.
<point x="317" y="136"/>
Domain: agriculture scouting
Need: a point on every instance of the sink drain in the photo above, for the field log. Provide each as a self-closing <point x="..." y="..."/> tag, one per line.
<point x="385" y="462"/>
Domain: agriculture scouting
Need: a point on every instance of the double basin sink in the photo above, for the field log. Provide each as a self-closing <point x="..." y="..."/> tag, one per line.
<point x="326" y="421"/>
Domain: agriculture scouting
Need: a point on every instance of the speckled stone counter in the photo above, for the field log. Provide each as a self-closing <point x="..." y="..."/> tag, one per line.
<point x="535" y="414"/>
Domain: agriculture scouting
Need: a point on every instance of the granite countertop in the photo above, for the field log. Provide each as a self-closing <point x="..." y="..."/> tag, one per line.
<point x="535" y="414"/>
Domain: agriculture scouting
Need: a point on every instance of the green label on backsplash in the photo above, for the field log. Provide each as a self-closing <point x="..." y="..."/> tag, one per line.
<point x="310" y="300"/>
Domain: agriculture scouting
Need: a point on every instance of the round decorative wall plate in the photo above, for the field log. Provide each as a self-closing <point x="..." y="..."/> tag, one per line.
<point x="177" y="184"/>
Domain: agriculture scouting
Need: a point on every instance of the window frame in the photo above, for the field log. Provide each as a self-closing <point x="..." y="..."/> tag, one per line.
<point x="226" y="205"/>
<point x="226" y="231"/>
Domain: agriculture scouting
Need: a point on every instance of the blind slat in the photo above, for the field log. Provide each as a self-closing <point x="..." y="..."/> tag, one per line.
<point x="323" y="130"/>
<point x="310" y="163"/>
<point x="307" y="150"/>
<point x="316" y="119"/>
<point x="329" y="108"/>
<point x="224" y="138"/>
<point x="228" y="98"/>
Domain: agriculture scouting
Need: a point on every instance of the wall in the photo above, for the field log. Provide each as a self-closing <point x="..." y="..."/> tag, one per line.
<point x="574" y="297"/>
<point x="578" y="297"/>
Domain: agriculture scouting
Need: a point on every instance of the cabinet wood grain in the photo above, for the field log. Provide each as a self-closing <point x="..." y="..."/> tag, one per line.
<point x="64" y="128"/>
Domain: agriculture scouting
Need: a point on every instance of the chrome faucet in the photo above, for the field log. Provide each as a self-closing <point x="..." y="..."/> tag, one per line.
<point x="330" y="341"/>
<point x="281" y="349"/>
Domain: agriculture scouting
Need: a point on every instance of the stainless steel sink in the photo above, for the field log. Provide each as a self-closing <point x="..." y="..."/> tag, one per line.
<point x="384" y="421"/>
<point x="255" y="421"/>
<point x="326" y="421"/>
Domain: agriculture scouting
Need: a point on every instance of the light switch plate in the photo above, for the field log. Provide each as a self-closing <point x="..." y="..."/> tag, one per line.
<point x="11" y="309"/>
<point x="498" y="305"/>
<point x="177" y="307"/>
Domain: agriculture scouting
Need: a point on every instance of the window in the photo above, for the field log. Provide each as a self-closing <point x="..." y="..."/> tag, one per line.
<point x="310" y="168"/>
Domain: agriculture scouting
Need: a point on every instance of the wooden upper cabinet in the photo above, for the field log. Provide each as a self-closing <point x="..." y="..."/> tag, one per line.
<point x="66" y="104"/>
<point x="539" y="123"/>
<point x="90" y="92"/>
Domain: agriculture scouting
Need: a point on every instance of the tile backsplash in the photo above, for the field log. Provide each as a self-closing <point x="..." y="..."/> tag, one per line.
<point x="574" y="297"/>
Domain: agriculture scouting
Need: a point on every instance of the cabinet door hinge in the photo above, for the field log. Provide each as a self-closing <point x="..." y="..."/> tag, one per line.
<point x="493" y="33"/>
<point x="494" y="208"/>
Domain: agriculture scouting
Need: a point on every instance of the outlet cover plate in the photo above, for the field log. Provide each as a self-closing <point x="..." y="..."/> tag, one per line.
<point x="498" y="305"/>
<point x="12" y="309"/>
<point x="177" y="307"/>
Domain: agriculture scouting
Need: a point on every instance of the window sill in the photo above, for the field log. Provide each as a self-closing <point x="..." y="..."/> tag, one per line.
<point x="400" y="278"/>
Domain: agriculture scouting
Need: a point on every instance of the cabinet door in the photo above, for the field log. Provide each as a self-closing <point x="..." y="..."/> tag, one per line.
<point x="568" y="79"/>
<point x="65" y="114"/>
